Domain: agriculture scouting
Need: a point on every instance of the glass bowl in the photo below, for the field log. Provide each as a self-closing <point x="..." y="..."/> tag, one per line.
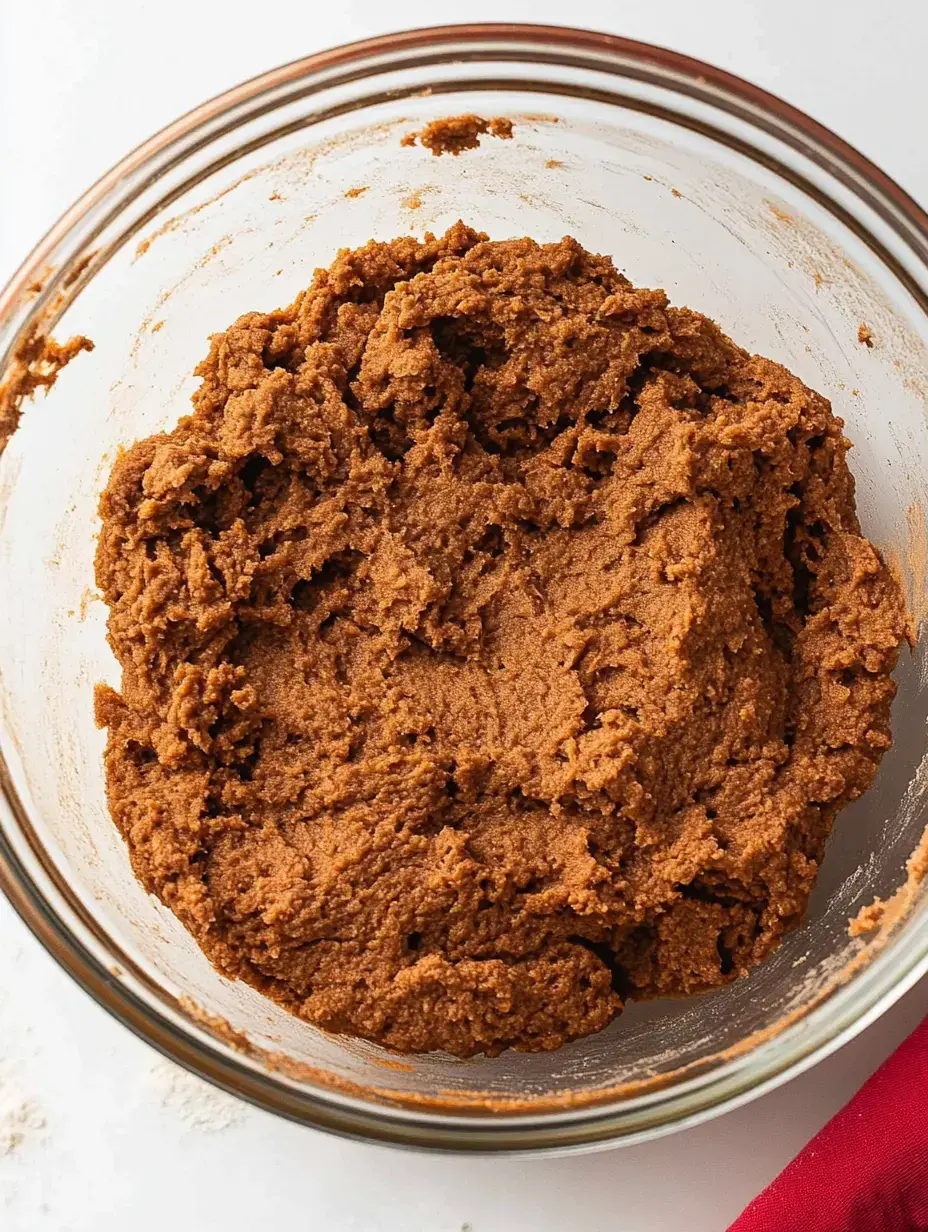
<point x="694" y="181"/>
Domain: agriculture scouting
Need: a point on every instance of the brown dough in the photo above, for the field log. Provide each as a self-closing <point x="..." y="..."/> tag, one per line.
<point x="498" y="644"/>
<point x="36" y="364"/>
<point x="454" y="134"/>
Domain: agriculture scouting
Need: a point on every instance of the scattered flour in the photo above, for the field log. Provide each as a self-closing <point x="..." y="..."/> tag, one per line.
<point x="198" y="1105"/>
<point x="20" y="1120"/>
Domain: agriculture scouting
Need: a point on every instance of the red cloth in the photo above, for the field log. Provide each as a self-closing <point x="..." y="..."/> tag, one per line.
<point x="867" y="1170"/>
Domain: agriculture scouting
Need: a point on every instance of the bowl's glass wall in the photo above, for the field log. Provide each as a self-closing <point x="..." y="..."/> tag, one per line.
<point x="676" y="208"/>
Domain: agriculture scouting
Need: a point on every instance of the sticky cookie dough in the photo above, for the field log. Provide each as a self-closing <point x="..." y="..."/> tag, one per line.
<point x="498" y="644"/>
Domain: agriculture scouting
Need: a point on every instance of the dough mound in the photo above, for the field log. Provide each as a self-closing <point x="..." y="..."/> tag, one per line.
<point x="498" y="644"/>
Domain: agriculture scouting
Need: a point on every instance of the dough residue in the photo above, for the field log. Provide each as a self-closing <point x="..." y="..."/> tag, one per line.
<point x="35" y="365"/>
<point x="453" y="134"/>
<point x="498" y="644"/>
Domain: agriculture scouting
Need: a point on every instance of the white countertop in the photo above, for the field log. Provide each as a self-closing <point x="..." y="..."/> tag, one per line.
<point x="97" y="1133"/>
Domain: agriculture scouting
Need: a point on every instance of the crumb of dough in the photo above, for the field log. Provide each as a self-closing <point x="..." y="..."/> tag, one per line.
<point x="864" y="334"/>
<point x="356" y="192"/>
<point x="453" y="134"/>
<point x="869" y="919"/>
<point x="498" y="645"/>
<point x="883" y="914"/>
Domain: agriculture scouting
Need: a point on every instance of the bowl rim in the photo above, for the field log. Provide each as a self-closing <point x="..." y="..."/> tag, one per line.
<point x="69" y="939"/>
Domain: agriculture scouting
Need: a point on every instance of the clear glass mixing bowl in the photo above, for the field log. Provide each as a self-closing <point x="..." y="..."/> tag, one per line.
<point x="694" y="181"/>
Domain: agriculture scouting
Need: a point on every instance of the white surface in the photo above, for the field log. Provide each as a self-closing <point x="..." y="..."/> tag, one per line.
<point x="96" y="1132"/>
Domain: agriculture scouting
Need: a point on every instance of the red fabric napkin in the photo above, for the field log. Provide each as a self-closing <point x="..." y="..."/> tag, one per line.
<point x="867" y="1170"/>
